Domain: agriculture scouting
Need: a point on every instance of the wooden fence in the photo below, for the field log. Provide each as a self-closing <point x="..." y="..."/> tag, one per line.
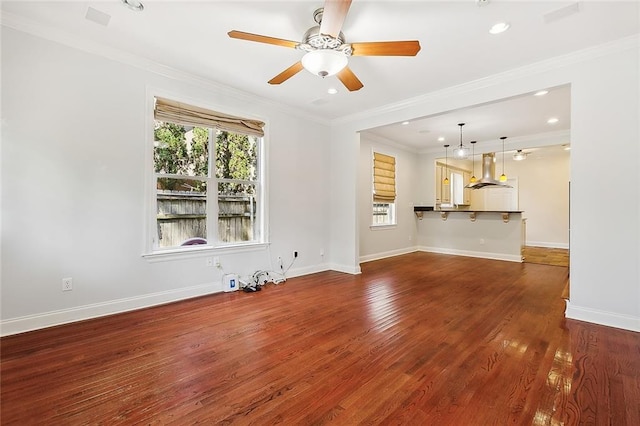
<point x="182" y="216"/>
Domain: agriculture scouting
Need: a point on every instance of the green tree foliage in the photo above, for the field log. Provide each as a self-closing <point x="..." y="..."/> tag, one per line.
<point x="181" y="152"/>
<point x="236" y="156"/>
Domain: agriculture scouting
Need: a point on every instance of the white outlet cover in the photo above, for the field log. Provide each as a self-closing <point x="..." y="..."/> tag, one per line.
<point x="67" y="284"/>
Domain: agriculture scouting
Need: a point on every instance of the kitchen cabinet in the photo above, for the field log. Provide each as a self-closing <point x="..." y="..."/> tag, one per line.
<point x="443" y="191"/>
<point x="458" y="179"/>
<point x="438" y="184"/>
<point x="466" y="192"/>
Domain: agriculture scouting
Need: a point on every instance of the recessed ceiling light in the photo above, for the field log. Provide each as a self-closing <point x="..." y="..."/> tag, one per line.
<point x="404" y="123"/>
<point x="134" y="5"/>
<point x="567" y="147"/>
<point x="500" y="27"/>
<point x="332" y="91"/>
<point x="552" y="120"/>
<point x="541" y="93"/>
<point x="441" y="139"/>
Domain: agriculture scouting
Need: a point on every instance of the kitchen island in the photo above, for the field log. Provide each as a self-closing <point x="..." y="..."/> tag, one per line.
<point x="475" y="233"/>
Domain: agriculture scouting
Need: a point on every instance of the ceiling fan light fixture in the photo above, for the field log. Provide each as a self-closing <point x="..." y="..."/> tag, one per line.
<point x="134" y="5"/>
<point x="324" y="62"/>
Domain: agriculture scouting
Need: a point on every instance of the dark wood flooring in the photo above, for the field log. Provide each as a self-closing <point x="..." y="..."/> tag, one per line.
<point x="419" y="339"/>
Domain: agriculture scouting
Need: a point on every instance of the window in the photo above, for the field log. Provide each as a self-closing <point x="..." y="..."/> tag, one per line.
<point x="207" y="172"/>
<point x="384" y="190"/>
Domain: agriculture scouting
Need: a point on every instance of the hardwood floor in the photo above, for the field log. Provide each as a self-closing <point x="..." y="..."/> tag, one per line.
<point x="419" y="339"/>
<point x="546" y="255"/>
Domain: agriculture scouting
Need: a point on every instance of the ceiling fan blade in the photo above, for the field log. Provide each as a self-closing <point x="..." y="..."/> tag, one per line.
<point x="349" y="79"/>
<point x="262" y="39"/>
<point x="386" y="48"/>
<point x="287" y="74"/>
<point x="335" y="11"/>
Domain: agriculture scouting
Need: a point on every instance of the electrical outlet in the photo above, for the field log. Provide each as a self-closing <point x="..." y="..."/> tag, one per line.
<point x="216" y="262"/>
<point x="280" y="262"/>
<point x="67" y="284"/>
<point x="481" y="241"/>
<point x="210" y="262"/>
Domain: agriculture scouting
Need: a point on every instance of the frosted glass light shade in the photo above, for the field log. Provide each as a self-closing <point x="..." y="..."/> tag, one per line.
<point x="324" y="62"/>
<point x="461" y="152"/>
<point x="519" y="156"/>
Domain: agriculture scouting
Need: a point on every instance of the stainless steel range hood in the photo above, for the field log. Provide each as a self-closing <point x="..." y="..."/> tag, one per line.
<point x="488" y="174"/>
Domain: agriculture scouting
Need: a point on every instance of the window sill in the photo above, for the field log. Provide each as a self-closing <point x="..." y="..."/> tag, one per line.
<point x="382" y="227"/>
<point x="201" y="251"/>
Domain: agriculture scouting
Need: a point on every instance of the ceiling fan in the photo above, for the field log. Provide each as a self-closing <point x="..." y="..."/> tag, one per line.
<point x="326" y="51"/>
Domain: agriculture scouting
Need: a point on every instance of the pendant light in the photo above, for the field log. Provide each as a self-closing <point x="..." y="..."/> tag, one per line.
<point x="461" y="152"/>
<point x="446" y="165"/>
<point x="473" y="178"/>
<point x="503" y="177"/>
<point x="520" y="155"/>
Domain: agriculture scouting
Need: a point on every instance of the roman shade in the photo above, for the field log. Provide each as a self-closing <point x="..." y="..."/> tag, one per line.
<point x="189" y="115"/>
<point x="384" y="178"/>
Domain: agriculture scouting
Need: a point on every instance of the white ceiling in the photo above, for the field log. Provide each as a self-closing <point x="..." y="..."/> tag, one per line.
<point x="517" y="118"/>
<point x="191" y="36"/>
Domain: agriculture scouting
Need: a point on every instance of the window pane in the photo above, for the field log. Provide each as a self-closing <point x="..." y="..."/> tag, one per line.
<point x="383" y="214"/>
<point x="237" y="212"/>
<point x="180" y="150"/>
<point x="380" y="213"/>
<point x="181" y="214"/>
<point x="236" y="156"/>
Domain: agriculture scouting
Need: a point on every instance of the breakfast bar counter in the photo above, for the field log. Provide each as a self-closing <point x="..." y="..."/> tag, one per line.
<point x="494" y="234"/>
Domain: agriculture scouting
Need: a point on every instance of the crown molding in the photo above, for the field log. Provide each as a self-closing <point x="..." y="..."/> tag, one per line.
<point x="28" y="26"/>
<point x="620" y="45"/>
<point x="377" y="139"/>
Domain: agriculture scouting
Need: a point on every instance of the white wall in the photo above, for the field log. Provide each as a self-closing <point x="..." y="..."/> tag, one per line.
<point x="73" y="145"/>
<point x="378" y="242"/>
<point x="544" y="197"/>
<point x="605" y="243"/>
<point x="488" y="236"/>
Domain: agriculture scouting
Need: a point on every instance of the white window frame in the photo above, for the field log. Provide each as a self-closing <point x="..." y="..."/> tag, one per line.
<point x="392" y="206"/>
<point x="151" y="251"/>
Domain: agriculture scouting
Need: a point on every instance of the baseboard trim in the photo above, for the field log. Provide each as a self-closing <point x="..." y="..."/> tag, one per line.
<point x="609" y="319"/>
<point x="479" y="254"/>
<point x="547" y="244"/>
<point x="347" y="269"/>
<point x="384" y="255"/>
<point x="298" y="272"/>
<point x="96" y="310"/>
